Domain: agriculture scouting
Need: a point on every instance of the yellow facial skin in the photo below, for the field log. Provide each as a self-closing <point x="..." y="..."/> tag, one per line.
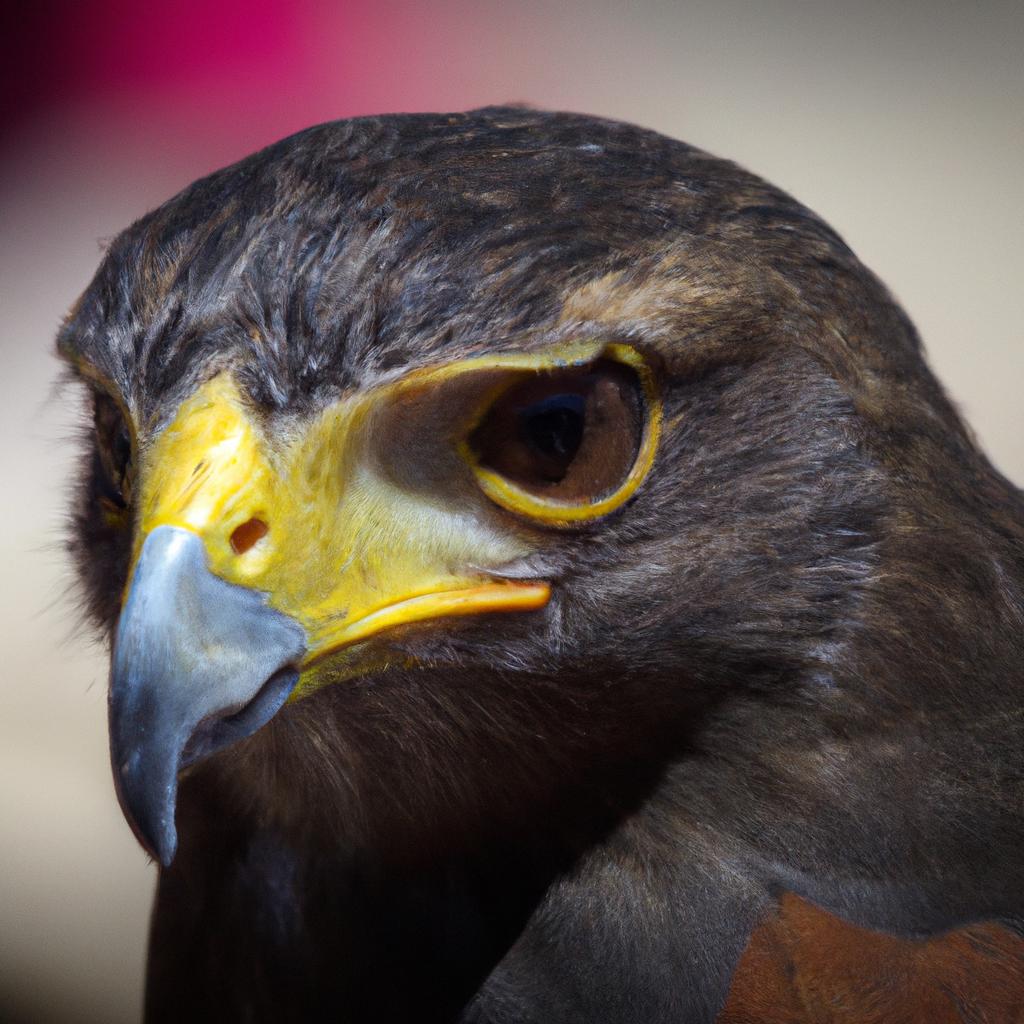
<point x="374" y="519"/>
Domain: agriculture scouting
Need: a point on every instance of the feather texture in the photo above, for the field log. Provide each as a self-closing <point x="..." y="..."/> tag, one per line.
<point x="791" y="663"/>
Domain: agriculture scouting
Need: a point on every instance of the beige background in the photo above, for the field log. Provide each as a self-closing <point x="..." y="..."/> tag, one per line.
<point x="903" y="125"/>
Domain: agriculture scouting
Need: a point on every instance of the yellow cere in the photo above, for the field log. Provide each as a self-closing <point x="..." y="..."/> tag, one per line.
<point x="349" y="550"/>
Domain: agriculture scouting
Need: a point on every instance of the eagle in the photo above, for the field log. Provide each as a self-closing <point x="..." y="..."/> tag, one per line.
<point x="544" y="583"/>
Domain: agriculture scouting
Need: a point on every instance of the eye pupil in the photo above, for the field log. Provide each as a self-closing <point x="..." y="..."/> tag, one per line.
<point x="553" y="427"/>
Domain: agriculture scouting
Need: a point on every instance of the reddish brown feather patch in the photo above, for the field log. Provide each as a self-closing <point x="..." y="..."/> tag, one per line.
<point x="807" y="967"/>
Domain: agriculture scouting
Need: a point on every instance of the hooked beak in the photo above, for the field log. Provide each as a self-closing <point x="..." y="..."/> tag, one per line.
<point x="257" y="562"/>
<point x="198" y="663"/>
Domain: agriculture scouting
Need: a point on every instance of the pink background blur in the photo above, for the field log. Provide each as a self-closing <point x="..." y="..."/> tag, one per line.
<point x="901" y="123"/>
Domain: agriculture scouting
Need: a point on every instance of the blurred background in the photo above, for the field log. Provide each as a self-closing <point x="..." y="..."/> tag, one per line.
<point x="901" y="123"/>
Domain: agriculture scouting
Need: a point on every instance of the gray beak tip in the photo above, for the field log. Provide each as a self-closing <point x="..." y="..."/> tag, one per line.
<point x="165" y="845"/>
<point x="198" y="664"/>
<point x="147" y="790"/>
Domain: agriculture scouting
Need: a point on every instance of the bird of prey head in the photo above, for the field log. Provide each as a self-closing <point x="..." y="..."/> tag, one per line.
<point x="531" y="515"/>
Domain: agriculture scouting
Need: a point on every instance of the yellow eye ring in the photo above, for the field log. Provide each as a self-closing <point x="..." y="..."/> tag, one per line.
<point x="514" y="498"/>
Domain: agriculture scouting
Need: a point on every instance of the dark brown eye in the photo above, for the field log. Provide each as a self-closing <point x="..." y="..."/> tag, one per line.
<point x="113" y="454"/>
<point x="569" y="436"/>
<point x="552" y="429"/>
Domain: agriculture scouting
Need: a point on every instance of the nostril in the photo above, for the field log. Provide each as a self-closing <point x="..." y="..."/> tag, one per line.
<point x="245" y="536"/>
